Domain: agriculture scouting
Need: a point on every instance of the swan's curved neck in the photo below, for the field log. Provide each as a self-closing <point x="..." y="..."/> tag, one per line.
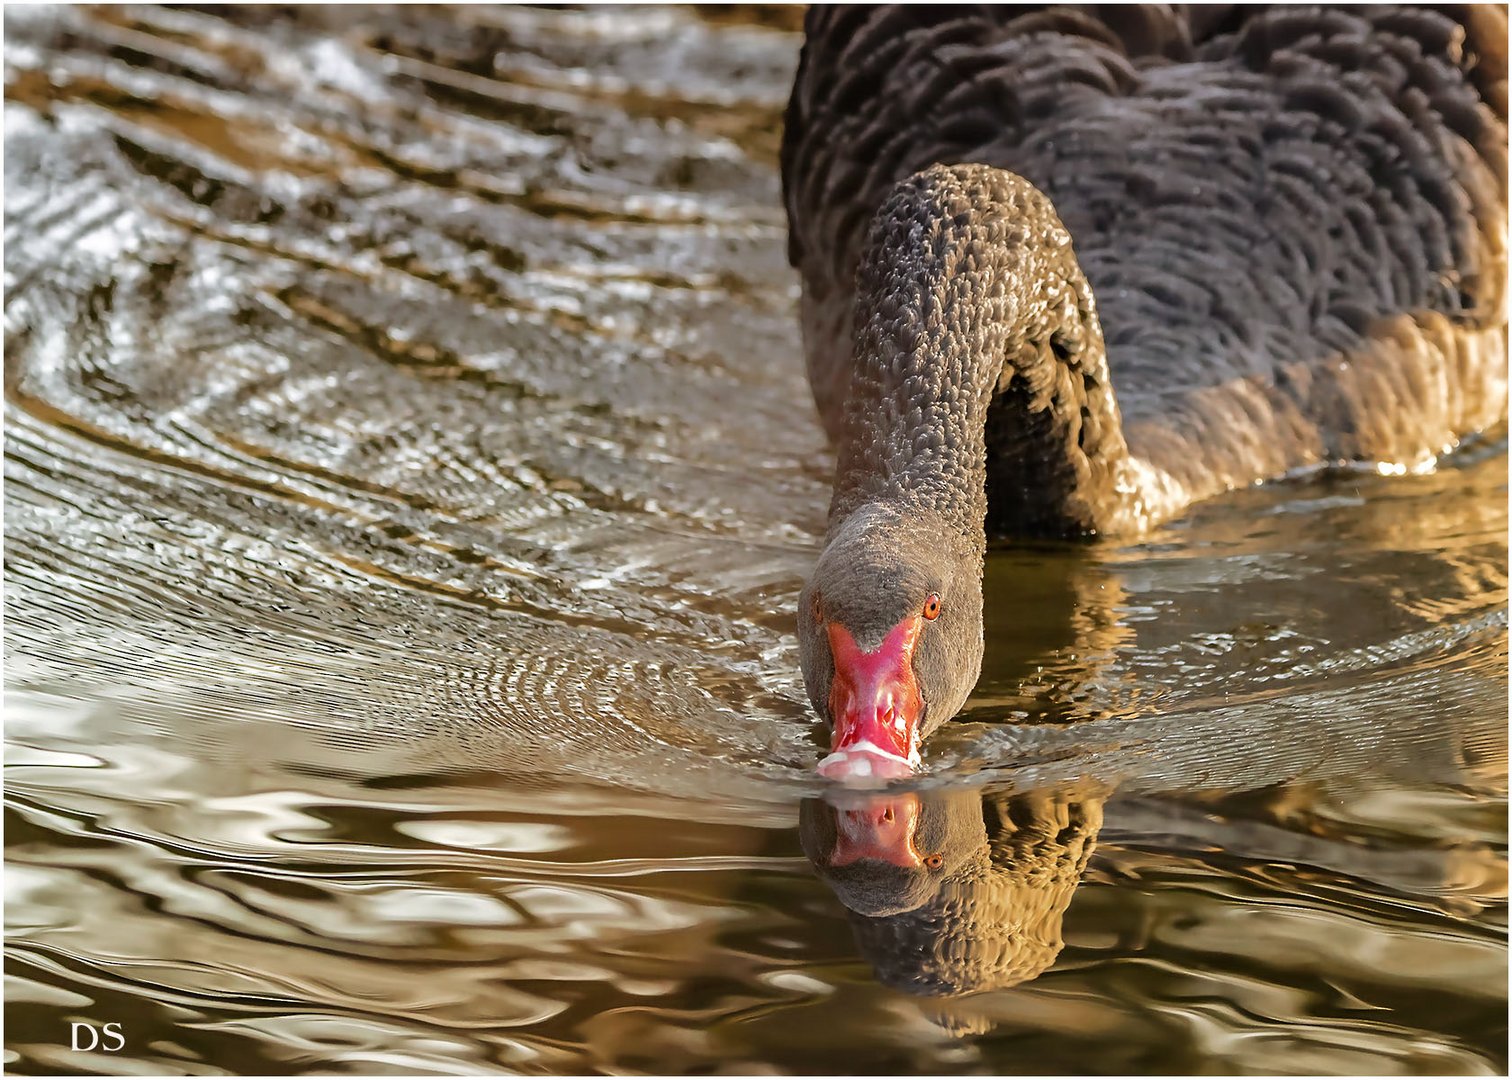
<point x="980" y="390"/>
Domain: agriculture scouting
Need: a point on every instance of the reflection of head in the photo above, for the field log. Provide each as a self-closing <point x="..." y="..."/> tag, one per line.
<point x="951" y="892"/>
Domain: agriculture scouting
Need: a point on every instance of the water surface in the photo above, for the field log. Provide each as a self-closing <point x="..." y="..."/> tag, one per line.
<point x="410" y="476"/>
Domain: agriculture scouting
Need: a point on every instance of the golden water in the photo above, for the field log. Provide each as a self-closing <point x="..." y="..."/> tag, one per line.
<point x="410" y="475"/>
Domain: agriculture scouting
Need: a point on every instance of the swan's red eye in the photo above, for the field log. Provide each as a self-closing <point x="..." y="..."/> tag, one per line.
<point x="932" y="607"/>
<point x="935" y="861"/>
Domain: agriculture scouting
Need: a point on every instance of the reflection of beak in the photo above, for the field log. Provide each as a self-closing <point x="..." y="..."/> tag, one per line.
<point x="875" y="704"/>
<point x="880" y="829"/>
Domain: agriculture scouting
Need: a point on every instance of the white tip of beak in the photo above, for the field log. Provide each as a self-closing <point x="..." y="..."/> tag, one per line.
<point x="866" y="761"/>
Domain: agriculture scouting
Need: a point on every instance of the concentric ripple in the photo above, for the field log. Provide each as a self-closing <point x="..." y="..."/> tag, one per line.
<point x="409" y="478"/>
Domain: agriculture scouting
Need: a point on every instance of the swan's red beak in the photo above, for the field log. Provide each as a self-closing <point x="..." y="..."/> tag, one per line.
<point x="878" y="829"/>
<point x="875" y="703"/>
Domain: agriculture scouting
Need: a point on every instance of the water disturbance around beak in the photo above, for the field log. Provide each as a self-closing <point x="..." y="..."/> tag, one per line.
<point x="410" y="478"/>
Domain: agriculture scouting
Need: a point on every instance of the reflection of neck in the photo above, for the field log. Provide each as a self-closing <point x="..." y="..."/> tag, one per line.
<point x="995" y="920"/>
<point x="1043" y="836"/>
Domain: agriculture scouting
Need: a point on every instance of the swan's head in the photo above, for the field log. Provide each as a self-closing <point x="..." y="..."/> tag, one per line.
<point x="890" y="634"/>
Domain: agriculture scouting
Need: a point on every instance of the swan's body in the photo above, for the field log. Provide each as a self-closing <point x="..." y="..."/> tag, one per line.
<point x="1065" y="272"/>
<point x="1293" y="222"/>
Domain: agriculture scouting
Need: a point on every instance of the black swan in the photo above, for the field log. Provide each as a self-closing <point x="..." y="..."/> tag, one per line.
<point x="1234" y="243"/>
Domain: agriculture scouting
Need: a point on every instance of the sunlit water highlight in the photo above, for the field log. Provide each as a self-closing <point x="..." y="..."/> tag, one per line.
<point x="409" y="480"/>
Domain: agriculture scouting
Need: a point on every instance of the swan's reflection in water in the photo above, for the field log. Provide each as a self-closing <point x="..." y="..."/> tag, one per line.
<point x="1244" y="742"/>
<point x="955" y="891"/>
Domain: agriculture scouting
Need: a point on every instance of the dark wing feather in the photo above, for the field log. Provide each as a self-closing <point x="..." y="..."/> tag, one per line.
<point x="1249" y="188"/>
